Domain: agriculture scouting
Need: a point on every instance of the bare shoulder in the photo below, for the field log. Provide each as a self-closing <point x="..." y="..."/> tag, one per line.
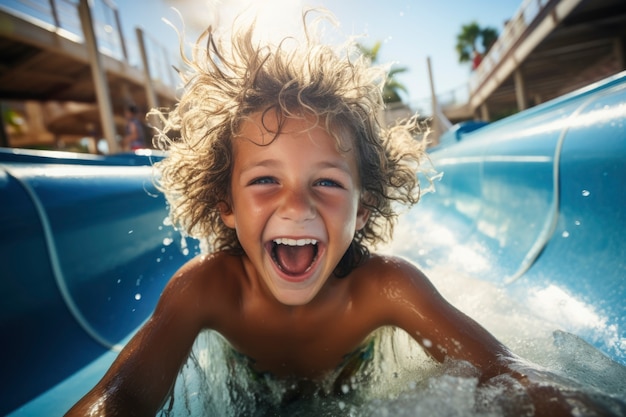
<point x="387" y="269"/>
<point x="204" y="286"/>
<point x="393" y="278"/>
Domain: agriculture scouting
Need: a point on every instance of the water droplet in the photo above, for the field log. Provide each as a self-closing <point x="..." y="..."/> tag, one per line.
<point x="158" y="260"/>
<point x="137" y="296"/>
<point x="130" y="232"/>
<point x="565" y="234"/>
<point x="577" y="222"/>
<point x="586" y="193"/>
<point x="119" y="280"/>
<point x="167" y="241"/>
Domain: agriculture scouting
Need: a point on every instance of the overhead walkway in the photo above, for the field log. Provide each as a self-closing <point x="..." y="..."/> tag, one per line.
<point x="68" y="52"/>
<point x="549" y="48"/>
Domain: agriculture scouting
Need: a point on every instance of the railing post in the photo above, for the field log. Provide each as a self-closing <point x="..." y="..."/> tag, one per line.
<point x="55" y="14"/>
<point x="99" y="77"/>
<point x="520" y="90"/>
<point x="173" y="80"/>
<point x="150" y="93"/>
<point x="118" y="22"/>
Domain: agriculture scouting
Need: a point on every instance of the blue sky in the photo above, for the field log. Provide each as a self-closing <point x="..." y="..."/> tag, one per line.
<point x="411" y="30"/>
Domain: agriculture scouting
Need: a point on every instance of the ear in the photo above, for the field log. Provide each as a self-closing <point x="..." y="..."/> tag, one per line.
<point x="362" y="216"/>
<point x="227" y="215"/>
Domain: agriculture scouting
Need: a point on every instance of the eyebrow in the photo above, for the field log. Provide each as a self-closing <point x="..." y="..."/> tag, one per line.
<point x="271" y="163"/>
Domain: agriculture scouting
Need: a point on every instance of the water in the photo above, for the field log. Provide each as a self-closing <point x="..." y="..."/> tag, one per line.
<point x="403" y="381"/>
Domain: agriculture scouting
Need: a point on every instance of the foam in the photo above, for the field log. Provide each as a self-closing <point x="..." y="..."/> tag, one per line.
<point x="405" y="382"/>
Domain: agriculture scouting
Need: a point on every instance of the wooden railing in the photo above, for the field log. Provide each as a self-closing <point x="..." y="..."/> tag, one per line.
<point x="513" y="30"/>
<point x="62" y="17"/>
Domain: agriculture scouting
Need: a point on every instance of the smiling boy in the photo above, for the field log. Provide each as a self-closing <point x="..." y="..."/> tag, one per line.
<point x="295" y="204"/>
<point x="282" y="167"/>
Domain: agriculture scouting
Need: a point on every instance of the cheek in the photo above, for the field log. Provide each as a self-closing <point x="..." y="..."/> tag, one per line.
<point x="254" y="206"/>
<point x="344" y="216"/>
<point x="249" y="212"/>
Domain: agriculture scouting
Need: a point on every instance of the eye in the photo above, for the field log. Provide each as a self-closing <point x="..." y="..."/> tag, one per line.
<point x="326" y="182"/>
<point x="263" y="181"/>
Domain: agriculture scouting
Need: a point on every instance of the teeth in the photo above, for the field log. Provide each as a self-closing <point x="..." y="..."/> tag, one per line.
<point x="294" y="242"/>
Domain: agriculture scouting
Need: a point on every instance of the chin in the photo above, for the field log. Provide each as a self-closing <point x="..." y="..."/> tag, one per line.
<point x="295" y="297"/>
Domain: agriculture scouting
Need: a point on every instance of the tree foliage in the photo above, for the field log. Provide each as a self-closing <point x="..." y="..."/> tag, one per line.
<point x="471" y="35"/>
<point x="392" y="87"/>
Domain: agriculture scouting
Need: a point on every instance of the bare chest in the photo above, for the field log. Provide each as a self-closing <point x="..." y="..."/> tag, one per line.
<point x="307" y="346"/>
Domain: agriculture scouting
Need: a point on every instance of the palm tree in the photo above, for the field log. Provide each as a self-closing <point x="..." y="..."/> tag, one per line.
<point x="467" y="39"/>
<point x="392" y="87"/>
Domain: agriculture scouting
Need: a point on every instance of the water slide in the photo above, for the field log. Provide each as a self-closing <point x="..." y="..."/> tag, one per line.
<point x="85" y="251"/>
<point x="533" y="203"/>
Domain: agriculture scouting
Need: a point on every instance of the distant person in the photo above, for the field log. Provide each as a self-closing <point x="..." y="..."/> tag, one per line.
<point x="134" y="135"/>
<point x="477" y="58"/>
<point x="280" y="163"/>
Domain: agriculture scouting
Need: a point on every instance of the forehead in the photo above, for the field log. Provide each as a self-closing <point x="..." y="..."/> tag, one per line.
<point x="290" y="140"/>
<point x="263" y="127"/>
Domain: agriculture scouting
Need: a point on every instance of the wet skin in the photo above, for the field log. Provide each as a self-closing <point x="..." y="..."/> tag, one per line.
<point x="291" y="317"/>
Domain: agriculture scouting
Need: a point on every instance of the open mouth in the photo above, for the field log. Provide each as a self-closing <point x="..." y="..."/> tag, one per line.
<point x="294" y="257"/>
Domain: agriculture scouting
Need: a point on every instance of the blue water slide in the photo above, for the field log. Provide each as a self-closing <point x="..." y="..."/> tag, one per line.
<point x="534" y="203"/>
<point x="537" y="203"/>
<point x="85" y="252"/>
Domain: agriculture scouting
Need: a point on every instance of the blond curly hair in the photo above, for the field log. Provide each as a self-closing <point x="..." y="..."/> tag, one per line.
<point x="227" y="81"/>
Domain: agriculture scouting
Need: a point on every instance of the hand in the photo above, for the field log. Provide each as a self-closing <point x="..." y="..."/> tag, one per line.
<point x="550" y="394"/>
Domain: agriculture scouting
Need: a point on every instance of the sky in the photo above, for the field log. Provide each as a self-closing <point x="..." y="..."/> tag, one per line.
<point x="411" y="30"/>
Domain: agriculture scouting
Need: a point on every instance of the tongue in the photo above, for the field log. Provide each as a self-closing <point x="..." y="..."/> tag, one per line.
<point x="294" y="260"/>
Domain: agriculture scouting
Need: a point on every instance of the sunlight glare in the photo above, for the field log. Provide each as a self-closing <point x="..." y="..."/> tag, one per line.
<point x="275" y="19"/>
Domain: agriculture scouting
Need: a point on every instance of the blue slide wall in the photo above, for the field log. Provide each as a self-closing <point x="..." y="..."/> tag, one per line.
<point x="85" y="252"/>
<point x="540" y="197"/>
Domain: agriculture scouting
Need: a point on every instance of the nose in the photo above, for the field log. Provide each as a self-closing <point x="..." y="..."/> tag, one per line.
<point x="297" y="206"/>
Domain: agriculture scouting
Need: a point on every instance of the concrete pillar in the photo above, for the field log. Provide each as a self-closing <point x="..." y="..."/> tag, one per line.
<point x="520" y="90"/>
<point x="436" y="128"/>
<point x="4" y="137"/>
<point x="99" y="77"/>
<point x="484" y="112"/>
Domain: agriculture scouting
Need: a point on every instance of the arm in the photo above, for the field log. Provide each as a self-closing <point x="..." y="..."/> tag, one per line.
<point x="443" y="331"/>
<point x="414" y="304"/>
<point x="142" y="375"/>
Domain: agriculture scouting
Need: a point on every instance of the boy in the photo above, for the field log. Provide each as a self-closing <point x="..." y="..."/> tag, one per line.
<point x="282" y="166"/>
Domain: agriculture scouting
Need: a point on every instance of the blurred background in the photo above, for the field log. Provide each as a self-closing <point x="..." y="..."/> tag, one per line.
<point x="71" y="67"/>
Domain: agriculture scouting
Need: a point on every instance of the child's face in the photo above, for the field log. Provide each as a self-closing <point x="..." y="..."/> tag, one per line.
<point x="295" y="204"/>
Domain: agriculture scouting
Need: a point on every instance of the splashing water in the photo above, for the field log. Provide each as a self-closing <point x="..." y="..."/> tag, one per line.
<point x="403" y="381"/>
